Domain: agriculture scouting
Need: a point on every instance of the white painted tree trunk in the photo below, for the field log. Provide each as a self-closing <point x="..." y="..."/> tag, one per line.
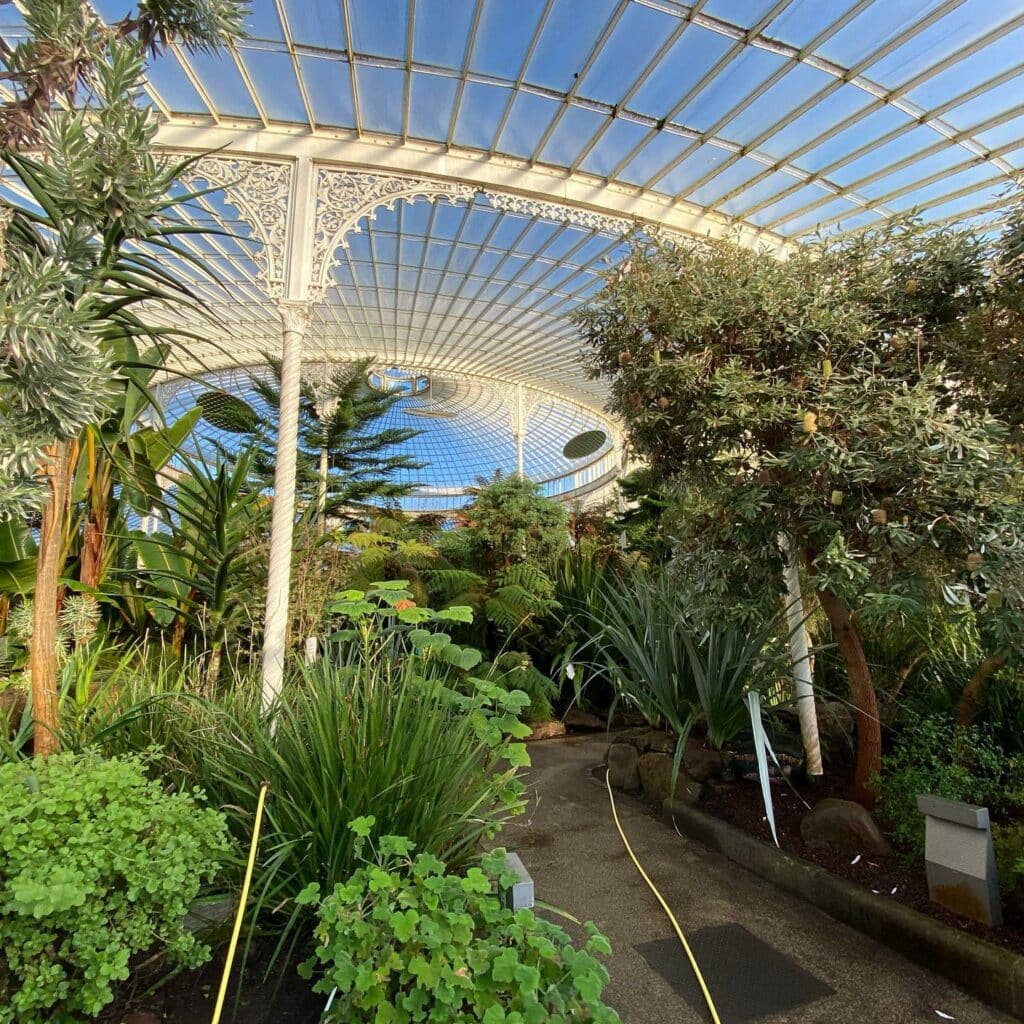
<point x="803" y="682"/>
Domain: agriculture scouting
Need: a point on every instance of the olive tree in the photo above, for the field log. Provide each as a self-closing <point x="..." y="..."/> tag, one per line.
<point x="808" y="397"/>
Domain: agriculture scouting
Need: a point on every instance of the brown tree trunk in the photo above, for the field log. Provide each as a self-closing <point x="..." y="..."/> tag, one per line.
<point x="862" y="693"/>
<point x="969" y="704"/>
<point x="94" y="538"/>
<point x="43" y="651"/>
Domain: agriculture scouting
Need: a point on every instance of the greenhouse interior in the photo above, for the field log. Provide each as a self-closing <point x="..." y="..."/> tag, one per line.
<point x="511" y="511"/>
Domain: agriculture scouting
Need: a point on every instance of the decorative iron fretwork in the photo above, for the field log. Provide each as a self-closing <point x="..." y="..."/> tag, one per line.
<point x="344" y="197"/>
<point x="561" y="212"/>
<point x="259" y="190"/>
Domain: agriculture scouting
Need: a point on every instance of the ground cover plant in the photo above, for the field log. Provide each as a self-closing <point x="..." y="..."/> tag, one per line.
<point x="406" y="939"/>
<point x="97" y="863"/>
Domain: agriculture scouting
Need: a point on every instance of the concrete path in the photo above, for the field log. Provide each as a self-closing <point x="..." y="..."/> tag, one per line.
<point x="570" y="846"/>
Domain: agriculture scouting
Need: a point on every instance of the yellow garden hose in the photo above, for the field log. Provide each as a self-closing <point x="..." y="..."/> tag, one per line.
<point x="242" y="900"/>
<point x="664" y="906"/>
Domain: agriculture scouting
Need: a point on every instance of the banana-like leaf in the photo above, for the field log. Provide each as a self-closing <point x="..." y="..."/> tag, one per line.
<point x="16" y="542"/>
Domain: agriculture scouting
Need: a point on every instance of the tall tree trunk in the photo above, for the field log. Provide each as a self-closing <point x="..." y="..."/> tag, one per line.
<point x="862" y="692"/>
<point x="969" y="704"/>
<point x="43" y="653"/>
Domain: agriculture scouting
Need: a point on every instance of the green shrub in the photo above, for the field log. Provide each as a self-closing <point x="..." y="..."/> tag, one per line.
<point x="933" y="755"/>
<point x="403" y="940"/>
<point x="1008" y="841"/>
<point x="97" y="863"/>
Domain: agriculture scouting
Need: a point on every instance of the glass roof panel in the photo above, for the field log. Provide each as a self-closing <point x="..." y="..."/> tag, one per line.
<point x="654" y="157"/>
<point x="620" y="137"/>
<point x="795" y="87"/>
<point x="274" y="77"/>
<point x="527" y="121"/>
<point x="171" y="83"/>
<point x="329" y="88"/>
<point x="315" y="24"/>
<point x="222" y="82"/>
<point x="880" y="23"/>
<point x="724" y="92"/>
<point x="430" y="102"/>
<point x="441" y="31"/>
<point x="570" y="34"/>
<point x="374" y="24"/>
<point x="802" y="20"/>
<point x="263" y="22"/>
<point x="861" y="134"/>
<point x="381" y="98"/>
<point x="633" y="42"/>
<point x="574" y="130"/>
<point x="504" y="37"/>
<point x="692" y="55"/>
<point x="960" y="27"/>
<point x="480" y="113"/>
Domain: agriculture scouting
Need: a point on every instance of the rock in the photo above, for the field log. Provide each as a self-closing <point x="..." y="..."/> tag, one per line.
<point x="656" y="778"/>
<point x="546" y="731"/>
<point x="700" y="762"/>
<point x="655" y="740"/>
<point x="583" y="720"/>
<point x="843" y="825"/>
<point x="835" y="724"/>
<point x="623" y="773"/>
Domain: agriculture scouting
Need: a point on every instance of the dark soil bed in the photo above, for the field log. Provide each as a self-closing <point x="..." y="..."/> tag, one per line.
<point x="739" y="803"/>
<point x="189" y="997"/>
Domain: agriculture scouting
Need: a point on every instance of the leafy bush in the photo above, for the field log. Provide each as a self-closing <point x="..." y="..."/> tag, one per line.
<point x="933" y="755"/>
<point x="1008" y="841"/>
<point x="376" y="726"/>
<point x="97" y="863"/>
<point x="403" y="940"/>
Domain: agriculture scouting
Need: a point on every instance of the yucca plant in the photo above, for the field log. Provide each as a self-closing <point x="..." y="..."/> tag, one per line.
<point x="675" y="670"/>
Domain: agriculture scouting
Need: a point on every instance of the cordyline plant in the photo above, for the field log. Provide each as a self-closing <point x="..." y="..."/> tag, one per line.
<point x="808" y="397"/>
<point x="80" y="254"/>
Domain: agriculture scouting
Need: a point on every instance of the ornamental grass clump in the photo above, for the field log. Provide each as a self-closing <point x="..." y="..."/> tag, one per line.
<point x="97" y="863"/>
<point x="404" y="940"/>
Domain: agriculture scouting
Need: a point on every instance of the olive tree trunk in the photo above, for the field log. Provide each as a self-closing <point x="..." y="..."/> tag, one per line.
<point x="862" y="693"/>
<point x="969" y="705"/>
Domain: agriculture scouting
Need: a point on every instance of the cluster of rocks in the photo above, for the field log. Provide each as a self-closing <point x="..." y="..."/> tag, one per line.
<point x="642" y="762"/>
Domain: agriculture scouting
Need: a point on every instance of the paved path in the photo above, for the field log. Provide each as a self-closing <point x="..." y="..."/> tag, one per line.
<point x="571" y="848"/>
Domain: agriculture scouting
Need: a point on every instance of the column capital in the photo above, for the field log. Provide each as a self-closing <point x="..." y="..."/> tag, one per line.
<point x="295" y="314"/>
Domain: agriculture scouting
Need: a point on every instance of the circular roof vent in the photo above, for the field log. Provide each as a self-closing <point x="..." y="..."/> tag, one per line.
<point x="582" y="445"/>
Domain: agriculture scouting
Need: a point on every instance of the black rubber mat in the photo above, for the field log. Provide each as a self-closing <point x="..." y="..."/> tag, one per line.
<point x="748" y="979"/>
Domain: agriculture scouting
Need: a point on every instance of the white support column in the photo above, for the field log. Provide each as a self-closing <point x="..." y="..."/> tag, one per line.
<point x="520" y="430"/>
<point x="294" y="308"/>
<point x="295" y="319"/>
<point x="803" y="683"/>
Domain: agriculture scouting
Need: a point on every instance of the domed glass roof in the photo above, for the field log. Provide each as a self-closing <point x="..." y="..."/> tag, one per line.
<point x="466" y="433"/>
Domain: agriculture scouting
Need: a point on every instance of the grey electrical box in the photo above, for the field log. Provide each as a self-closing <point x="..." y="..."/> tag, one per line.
<point x="519" y="895"/>
<point x="959" y="858"/>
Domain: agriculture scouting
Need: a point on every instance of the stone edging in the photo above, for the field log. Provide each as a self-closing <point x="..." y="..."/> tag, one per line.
<point x="993" y="974"/>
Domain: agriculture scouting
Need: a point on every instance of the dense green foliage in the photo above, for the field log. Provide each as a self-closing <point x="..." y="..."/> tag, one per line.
<point x="73" y="267"/>
<point x="98" y="863"/>
<point x="405" y="940"/>
<point x="808" y="397"/>
<point x="391" y="723"/>
<point x="933" y="755"/>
